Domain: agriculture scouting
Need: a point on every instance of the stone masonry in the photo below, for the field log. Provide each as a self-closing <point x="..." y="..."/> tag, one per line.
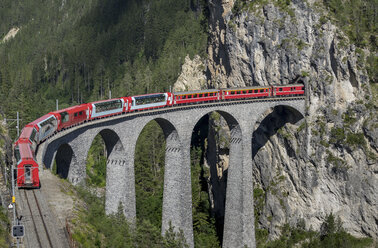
<point x="120" y="134"/>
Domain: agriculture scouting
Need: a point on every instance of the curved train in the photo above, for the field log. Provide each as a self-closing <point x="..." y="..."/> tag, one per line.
<point x="41" y="129"/>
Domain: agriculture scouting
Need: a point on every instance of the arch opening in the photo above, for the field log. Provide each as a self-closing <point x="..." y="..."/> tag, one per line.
<point x="96" y="163"/>
<point x="63" y="159"/>
<point x="149" y="167"/>
<point x="210" y="149"/>
<point x="274" y="147"/>
<point x="105" y="152"/>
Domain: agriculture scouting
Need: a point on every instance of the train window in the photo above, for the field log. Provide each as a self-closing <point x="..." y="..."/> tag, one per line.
<point x="27" y="172"/>
<point x="17" y="153"/>
<point x="64" y="116"/>
<point x="32" y="136"/>
<point x="81" y="113"/>
<point x="250" y="91"/>
<point x="206" y="94"/>
<point x="110" y="105"/>
<point x="244" y="92"/>
<point x="189" y="96"/>
<point x="195" y="95"/>
<point x="200" y="95"/>
<point x="211" y="94"/>
<point x="232" y="92"/>
<point x="148" y="99"/>
<point x="75" y="114"/>
<point x="280" y="89"/>
<point x="49" y="121"/>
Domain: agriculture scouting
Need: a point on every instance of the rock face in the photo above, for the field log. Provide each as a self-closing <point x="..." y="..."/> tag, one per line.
<point x="192" y="75"/>
<point x="327" y="162"/>
<point x="11" y="34"/>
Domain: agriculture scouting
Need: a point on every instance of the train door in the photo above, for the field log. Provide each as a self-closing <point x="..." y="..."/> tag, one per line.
<point x="28" y="174"/>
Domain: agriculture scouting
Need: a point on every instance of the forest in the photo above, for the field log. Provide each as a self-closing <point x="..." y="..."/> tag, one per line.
<point x="82" y="51"/>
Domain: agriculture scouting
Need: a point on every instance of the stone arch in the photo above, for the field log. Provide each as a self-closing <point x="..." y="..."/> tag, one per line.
<point x="172" y="205"/>
<point x="228" y="196"/>
<point x="113" y="143"/>
<point x="64" y="157"/>
<point x="115" y="169"/>
<point x="268" y="123"/>
<point x="270" y="120"/>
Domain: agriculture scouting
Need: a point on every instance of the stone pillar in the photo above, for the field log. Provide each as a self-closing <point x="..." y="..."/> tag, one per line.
<point x="177" y="199"/>
<point x="120" y="183"/>
<point x="247" y="191"/>
<point x="77" y="171"/>
<point x="80" y="144"/>
<point x="233" y="221"/>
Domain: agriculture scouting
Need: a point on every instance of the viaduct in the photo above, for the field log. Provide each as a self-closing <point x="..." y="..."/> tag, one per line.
<point x="69" y="149"/>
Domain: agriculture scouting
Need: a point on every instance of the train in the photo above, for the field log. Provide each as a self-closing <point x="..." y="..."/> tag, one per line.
<point x="44" y="127"/>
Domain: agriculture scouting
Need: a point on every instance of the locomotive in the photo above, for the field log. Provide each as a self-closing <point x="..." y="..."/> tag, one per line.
<point x="44" y="127"/>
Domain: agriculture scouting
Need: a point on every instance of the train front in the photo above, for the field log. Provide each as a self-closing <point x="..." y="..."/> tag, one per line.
<point x="26" y="166"/>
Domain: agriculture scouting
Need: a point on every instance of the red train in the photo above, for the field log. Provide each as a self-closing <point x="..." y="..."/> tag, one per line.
<point x="41" y="129"/>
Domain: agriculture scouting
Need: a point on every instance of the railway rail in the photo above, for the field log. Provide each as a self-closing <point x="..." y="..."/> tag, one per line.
<point x="40" y="227"/>
<point x="41" y="231"/>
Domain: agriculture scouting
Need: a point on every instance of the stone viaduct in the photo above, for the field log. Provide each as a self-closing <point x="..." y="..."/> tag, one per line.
<point x="120" y="133"/>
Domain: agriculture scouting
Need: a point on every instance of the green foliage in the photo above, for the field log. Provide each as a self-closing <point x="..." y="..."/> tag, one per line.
<point x="76" y="51"/>
<point x="337" y="135"/>
<point x="284" y="134"/>
<point x="4" y="228"/>
<point x="357" y="18"/>
<point x="356" y="139"/>
<point x="95" y="229"/>
<point x="349" y="118"/>
<point x="330" y="235"/>
<point x="372" y="68"/>
<point x="149" y="173"/>
<point x="96" y="163"/>
<point x="203" y="223"/>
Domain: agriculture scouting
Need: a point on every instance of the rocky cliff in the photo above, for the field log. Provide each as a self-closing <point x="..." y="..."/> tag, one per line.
<point x="326" y="163"/>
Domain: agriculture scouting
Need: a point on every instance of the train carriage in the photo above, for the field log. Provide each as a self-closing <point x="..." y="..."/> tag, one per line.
<point x="288" y="90"/>
<point x="29" y="135"/>
<point x="44" y="126"/>
<point x="106" y="108"/>
<point x="71" y="116"/>
<point x="27" y="167"/>
<point x="246" y="92"/>
<point x="151" y="101"/>
<point x="189" y="97"/>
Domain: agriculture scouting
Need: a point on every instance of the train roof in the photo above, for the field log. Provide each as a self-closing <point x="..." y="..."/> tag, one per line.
<point x="195" y="92"/>
<point x="248" y="87"/>
<point x="287" y="85"/>
<point x="25" y="150"/>
<point x="81" y="106"/>
<point x="262" y="86"/>
<point x="40" y="119"/>
<point x="26" y="132"/>
<point x="107" y="100"/>
<point x="150" y="94"/>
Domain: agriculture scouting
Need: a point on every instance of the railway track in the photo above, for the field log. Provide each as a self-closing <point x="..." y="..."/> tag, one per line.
<point x="41" y="231"/>
<point x="40" y="226"/>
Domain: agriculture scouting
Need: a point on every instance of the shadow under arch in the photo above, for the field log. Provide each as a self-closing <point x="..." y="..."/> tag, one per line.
<point x="113" y="143"/>
<point x="63" y="159"/>
<point x="270" y="121"/>
<point x="216" y="184"/>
